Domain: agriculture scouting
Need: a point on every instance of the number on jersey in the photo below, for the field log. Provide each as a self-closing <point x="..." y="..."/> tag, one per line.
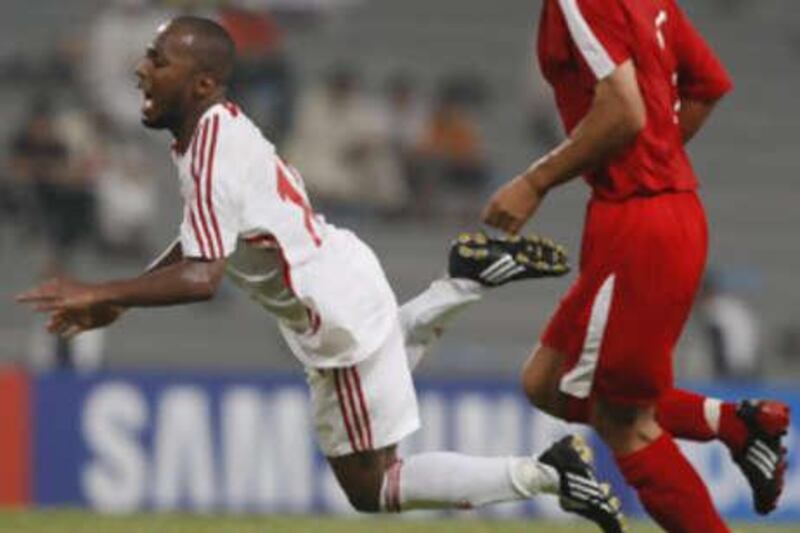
<point x="289" y="191"/>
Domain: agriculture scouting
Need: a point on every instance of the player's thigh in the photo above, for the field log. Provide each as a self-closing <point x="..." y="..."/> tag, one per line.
<point x="625" y="428"/>
<point x="367" y="406"/>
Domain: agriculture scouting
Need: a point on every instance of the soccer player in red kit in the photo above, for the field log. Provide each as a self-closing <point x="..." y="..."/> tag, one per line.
<point x="633" y="82"/>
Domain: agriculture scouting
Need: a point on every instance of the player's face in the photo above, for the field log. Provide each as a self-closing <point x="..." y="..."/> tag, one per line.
<point x="166" y="74"/>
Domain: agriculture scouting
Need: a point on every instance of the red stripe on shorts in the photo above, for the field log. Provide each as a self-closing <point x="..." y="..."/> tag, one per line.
<point x="363" y="404"/>
<point x="344" y="408"/>
<point x="359" y="425"/>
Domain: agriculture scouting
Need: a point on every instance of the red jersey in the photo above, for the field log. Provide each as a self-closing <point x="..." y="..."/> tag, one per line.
<point x="583" y="41"/>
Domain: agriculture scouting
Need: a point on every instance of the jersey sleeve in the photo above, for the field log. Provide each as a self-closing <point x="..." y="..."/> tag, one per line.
<point x="210" y="226"/>
<point x="600" y="32"/>
<point x="701" y="75"/>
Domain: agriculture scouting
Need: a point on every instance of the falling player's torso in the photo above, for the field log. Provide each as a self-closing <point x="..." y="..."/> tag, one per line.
<point x="259" y="270"/>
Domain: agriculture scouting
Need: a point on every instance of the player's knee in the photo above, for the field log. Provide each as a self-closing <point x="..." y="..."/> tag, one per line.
<point x="625" y="428"/>
<point x="537" y="390"/>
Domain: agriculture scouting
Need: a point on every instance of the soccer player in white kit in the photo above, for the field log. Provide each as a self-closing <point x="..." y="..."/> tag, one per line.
<point x="246" y="214"/>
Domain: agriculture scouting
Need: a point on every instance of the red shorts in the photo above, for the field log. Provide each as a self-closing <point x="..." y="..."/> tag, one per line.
<point x="641" y="264"/>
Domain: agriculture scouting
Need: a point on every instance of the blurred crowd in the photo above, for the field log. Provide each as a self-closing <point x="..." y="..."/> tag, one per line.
<point x="78" y="171"/>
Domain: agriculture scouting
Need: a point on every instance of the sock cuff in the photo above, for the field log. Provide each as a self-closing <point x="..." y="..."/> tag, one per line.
<point x="712" y="412"/>
<point x="529" y="477"/>
<point x="390" y="491"/>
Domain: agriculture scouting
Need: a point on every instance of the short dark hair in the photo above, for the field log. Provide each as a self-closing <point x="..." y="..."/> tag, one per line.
<point x="213" y="48"/>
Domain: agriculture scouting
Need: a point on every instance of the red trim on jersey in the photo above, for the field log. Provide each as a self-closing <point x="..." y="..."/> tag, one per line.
<point x="209" y="174"/>
<point x="289" y="192"/>
<point x="315" y="321"/>
<point x="197" y="234"/>
<point x="232" y="108"/>
<point x="287" y="269"/>
<point x="197" y="172"/>
<point x="264" y="240"/>
<point x="363" y="404"/>
<point x="343" y="407"/>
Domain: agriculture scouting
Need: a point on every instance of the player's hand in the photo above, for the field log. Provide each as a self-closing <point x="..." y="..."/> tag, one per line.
<point x="61" y="294"/>
<point x="67" y="324"/>
<point x="512" y="205"/>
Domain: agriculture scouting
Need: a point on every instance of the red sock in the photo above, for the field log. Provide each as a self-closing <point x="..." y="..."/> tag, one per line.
<point x="683" y="414"/>
<point x="670" y="489"/>
<point x="732" y="431"/>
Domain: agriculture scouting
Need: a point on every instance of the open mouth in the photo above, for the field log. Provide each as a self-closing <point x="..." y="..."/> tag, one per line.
<point x="147" y="100"/>
<point x="147" y="104"/>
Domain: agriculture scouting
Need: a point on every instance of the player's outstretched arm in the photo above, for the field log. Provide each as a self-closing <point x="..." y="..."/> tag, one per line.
<point x="185" y="281"/>
<point x="616" y="117"/>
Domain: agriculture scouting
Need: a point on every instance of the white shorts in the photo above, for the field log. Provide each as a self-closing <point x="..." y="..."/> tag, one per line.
<point x="367" y="406"/>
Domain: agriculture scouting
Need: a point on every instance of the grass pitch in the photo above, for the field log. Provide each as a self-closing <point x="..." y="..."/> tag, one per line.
<point x="85" y="522"/>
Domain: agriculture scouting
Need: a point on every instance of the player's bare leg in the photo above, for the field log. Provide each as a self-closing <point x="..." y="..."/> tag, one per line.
<point x="540" y="378"/>
<point x="380" y="481"/>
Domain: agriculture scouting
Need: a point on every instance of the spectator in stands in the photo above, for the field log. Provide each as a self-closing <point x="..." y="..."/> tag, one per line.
<point x="407" y="116"/>
<point x="62" y="196"/>
<point x="544" y="127"/>
<point x="341" y="144"/>
<point x="263" y="81"/>
<point x="114" y="46"/>
<point x="731" y="330"/>
<point x="453" y="156"/>
<point x="126" y="202"/>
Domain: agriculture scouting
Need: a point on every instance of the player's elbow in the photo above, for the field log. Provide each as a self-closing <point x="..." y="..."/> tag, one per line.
<point x="204" y="291"/>
<point x="203" y="278"/>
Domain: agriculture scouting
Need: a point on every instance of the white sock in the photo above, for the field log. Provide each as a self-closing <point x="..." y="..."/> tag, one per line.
<point x="424" y="317"/>
<point x="447" y="480"/>
<point x="712" y="409"/>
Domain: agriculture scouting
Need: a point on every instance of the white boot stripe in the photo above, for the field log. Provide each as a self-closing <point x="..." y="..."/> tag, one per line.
<point x="506" y="259"/>
<point x="763" y="459"/>
<point x="500" y="272"/>
<point x="762" y="469"/>
<point x="581" y="481"/>
<point x="774" y="457"/>
<point x="505" y="273"/>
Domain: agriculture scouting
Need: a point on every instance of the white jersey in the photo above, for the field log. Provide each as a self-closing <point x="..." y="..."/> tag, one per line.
<point x="242" y="202"/>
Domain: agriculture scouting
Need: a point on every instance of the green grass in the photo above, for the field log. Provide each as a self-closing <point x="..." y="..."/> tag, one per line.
<point x="85" y="522"/>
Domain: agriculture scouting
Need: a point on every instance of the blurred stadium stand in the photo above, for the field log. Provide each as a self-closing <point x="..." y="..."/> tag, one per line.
<point x="747" y="161"/>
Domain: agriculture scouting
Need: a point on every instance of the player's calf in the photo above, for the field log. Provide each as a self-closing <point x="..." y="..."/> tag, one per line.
<point x="361" y="475"/>
<point x="540" y="381"/>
